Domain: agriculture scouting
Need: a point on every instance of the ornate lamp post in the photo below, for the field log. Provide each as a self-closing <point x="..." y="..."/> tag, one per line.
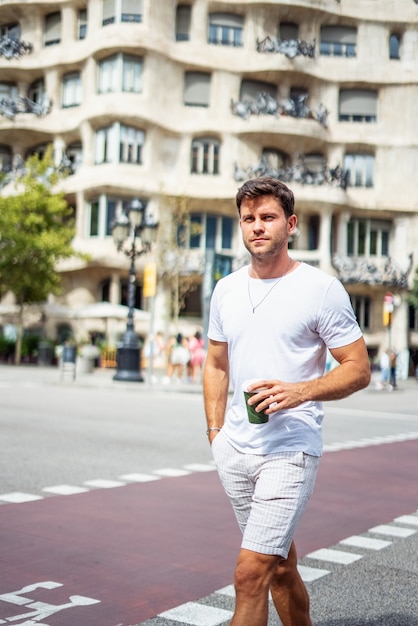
<point x="143" y="231"/>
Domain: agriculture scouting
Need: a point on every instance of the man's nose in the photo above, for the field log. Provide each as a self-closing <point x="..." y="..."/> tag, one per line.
<point x="258" y="225"/>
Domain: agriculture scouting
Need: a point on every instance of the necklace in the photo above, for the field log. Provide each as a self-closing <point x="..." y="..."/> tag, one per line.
<point x="255" y="306"/>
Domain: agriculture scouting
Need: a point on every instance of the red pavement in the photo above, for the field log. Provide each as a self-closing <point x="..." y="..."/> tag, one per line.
<point x="145" y="548"/>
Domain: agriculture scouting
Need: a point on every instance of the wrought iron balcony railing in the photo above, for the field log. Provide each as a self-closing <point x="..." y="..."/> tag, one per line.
<point x="10" y="107"/>
<point x="289" y="47"/>
<point x="14" y="48"/>
<point x="265" y="104"/>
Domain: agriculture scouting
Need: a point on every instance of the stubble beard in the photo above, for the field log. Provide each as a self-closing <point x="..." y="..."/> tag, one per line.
<point x="272" y="252"/>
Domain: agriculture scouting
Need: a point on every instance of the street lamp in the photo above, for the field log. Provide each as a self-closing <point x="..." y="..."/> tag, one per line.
<point x="143" y="230"/>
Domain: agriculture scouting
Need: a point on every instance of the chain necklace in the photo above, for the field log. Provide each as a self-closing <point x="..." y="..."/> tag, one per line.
<point x="255" y="306"/>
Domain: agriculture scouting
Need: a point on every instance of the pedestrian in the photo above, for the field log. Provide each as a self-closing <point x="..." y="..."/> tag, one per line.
<point x="384" y="364"/>
<point x="178" y="358"/>
<point x="392" y="362"/>
<point x="273" y="321"/>
<point x="197" y="356"/>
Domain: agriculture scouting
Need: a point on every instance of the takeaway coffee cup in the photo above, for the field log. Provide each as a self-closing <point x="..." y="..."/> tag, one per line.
<point x="253" y="416"/>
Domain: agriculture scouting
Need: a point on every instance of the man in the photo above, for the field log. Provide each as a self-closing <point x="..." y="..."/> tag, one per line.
<point x="273" y="321"/>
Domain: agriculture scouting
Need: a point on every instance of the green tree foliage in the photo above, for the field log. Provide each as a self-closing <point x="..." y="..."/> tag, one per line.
<point x="413" y="295"/>
<point x="36" y="231"/>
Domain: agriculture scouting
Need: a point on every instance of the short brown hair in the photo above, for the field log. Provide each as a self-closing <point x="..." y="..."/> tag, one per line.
<point x="267" y="186"/>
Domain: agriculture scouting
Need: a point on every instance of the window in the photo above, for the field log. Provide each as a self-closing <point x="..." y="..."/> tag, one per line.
<point x="210" y="232"/>
<point x="360" y="169"/>
<point x="225" y="29"/>
<point x="101" y="215"/>
<point x="11" y="31"/>
<point x="52" y="29"/>
<point x="197" y="89"/>
<point x="130" y="142"/>
<point x="183" y="19"/>
<point x="251" y="88"/>
<point x="357" y="105"/>
<point x="394" y="46"/>
<point x="367" y="237"/>
<point x="288" y="31"/>
<point x="74" y="156"/>
<point x="82" y="23"/>
<point x="338" y="41"/>
<point x="71" y="90"/>
<point x="205" y="156"/>
<point x="362" y="309"/>
<point x="122" y="11"/>
<point x="8" y="90"/>
<point x="412" y="318"/>
<point x="36" y="91"/>
<point x="120" y="72"/>
<point x="130" y="145"/>
<point x="5" y="159"/>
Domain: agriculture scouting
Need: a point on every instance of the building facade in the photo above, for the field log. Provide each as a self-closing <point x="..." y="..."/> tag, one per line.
<point x="177" y="103"/>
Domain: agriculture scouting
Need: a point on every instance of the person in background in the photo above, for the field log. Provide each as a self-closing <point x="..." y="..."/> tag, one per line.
<point x="197" y="356"/>
<point x="178" y="358"/>
<point x="273" y="321"/>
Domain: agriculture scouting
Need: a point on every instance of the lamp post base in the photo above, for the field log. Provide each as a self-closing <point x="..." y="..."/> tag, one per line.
<point x="128" y="368"/>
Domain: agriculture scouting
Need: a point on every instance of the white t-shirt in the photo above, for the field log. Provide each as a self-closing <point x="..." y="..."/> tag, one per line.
<point x="285" y="338"/>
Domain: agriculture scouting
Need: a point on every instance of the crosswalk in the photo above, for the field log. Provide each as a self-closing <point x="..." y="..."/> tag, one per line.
<point x="211" y="611"/>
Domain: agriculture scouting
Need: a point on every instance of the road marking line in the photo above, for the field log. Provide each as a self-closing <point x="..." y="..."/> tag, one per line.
<point x="171" y="472"/>
<point x="394" y="531"/>
<point x="359" y="541"/>
<point x="199" y="467"/>
<point x="139" y="478"/>
<point x="17" y="497"/>
<point x="197" y="614"/>
<point x="229" y="590"/>
<point x="65" y="490"/>
<point x="334" y="556"/>
<point x="370" y="441"/>
<point x="309" y="574"/>
<point x="102" y="483"/>
<point x="407" y="519"/>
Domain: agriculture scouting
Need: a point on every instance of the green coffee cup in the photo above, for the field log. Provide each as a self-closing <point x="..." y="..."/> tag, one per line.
<point x="253" y="416"/>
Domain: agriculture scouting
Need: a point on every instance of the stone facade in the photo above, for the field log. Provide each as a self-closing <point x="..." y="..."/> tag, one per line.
<point x="178" y="102"/>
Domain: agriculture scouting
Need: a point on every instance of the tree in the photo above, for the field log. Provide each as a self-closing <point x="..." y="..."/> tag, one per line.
<point x="174" y="254"/>
<point x="36" y="231"/>
<point x="413" y="295"/>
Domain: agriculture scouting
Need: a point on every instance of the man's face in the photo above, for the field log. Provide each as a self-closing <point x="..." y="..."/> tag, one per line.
<point x="264" y="226"/>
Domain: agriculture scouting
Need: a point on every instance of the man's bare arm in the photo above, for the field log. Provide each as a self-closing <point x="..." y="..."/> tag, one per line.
<point x="352" y="374"/>
<point x="215" y="384"/>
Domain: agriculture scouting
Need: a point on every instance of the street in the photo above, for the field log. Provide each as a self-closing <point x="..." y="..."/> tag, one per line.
<point x="112" y="513"/>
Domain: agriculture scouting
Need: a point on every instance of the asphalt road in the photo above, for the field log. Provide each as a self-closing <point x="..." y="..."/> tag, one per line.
<point x="165" y="539"/>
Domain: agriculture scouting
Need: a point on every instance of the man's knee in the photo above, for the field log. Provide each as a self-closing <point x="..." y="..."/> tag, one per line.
<point x="254" y="571"/>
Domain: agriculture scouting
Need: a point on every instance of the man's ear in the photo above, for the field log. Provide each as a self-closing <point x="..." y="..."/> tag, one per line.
<point x="291" y="224"/>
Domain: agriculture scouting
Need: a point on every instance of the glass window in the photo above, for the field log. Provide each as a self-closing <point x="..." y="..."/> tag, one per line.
<point x="214" y="232"/>
<point x="110" y="215"/>
<point x="183" y="19"/>
<point x="225" y="29"/>
<point x="105" y="145"/>
<point x="82" y="23"/>
<point x="71" y="89"/>
<point x="130" y="144"/>
<point x="367" y="237"/>
<point x="120" y="73"/>
<point x="338" y="41"/>
<point x="122" y="11"/>
<point x="52" y="29"/>
<point x="94" y="218"/>
<point x="197" y="89"/>
<point x="288" y="30"/>
<point x="251" y="88"/>
<point x="36" y="91"/>
<point x="394" y="47"/>
<point x="360" y="169"/>
<point x="5" y="159"/>
<point x="11" y="31"/>
<point x="357" y="105"/>
<point x="205" y="156"/>
<point x="362" y="308"/>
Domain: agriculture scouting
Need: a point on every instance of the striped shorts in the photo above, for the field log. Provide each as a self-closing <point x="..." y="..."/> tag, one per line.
<point x="268" y="493"/>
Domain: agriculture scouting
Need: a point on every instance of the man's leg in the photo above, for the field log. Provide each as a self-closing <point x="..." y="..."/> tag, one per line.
<point x="253" y="576"/>
<point x="289" y="593"/>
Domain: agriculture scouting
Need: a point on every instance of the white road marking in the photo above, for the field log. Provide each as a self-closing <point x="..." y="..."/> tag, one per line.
<point x="139" y="478"/>
<point x="407" y="519"/>
<point x="334" y="556"/>
<point x="197" y="614"/>
<point x="17" y="497"/>
<point x="65" y="490"/>
<point x="171" y="472"/>
<point x="102" y="483"/>
<point x="392" y="531"/>
<point x="358" y="541"/>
